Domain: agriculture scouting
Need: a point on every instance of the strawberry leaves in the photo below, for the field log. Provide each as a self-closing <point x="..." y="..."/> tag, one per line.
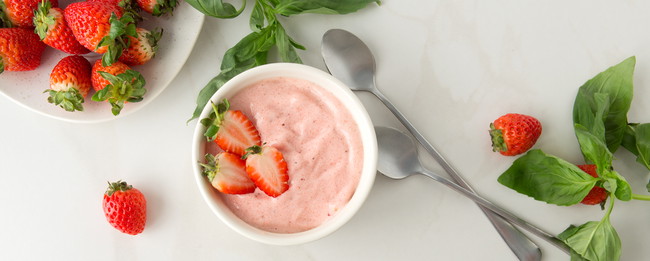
<point x="267" y="32"/>
<point x="124" y="87"/>
<point x="70" y="100"/>
<point x="117" y="39"/>
<point x="214" y="120"/>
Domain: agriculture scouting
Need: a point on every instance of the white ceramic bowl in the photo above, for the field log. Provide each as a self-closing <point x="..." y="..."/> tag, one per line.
<point x="347" y="98"/>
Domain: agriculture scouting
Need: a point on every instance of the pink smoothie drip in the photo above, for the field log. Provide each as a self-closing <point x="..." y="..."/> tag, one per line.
<point x="321" y="145"/>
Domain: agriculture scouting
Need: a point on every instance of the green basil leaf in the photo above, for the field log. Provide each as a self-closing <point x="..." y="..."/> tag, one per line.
<point x="257" y="17"/>
<point x="293" y="7"/>
<point x="642" y="138"/>
<point x="617" y="82"/>
<point x="629" y="139"/>
<point x="548" y="178"/>
<point x="593" y="240"/>
<point x="594" y="149"/>
<point x="217" y="8"/>
<point x="249" y="52"/>
<point x="623" y="189"/>
<point x="286" y="49"/>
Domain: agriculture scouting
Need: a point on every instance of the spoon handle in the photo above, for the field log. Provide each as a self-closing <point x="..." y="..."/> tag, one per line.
<point x="498" y="210"/>
<point x="521" y="245"/>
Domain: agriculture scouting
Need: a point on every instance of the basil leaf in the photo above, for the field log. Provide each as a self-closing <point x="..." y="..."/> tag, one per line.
<point x="629" y="139"/>
<point x="593" y="240"/>
<point x="216" y="8"/>
<point x="249" y="52"/>
<point x="286" y="48"/>
<point x="548" y="178"/>
<point x="642" y="138"/>
<point x="617" y="82"/>
<point x="623" y="189"/>
<point x="293" y="7"/>
<point x="257" y="17"/>
<point x="594" y="149"/>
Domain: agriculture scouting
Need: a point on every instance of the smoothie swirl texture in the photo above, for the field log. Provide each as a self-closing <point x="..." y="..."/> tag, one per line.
<point x="321" y="144"/>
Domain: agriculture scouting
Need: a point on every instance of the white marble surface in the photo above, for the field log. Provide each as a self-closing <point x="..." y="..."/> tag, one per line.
<point x="450" y="66"/>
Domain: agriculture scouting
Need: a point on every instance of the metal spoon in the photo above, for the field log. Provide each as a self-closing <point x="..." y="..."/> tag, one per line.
<point x="398" y="159"/>
<point x="350" y="60"/>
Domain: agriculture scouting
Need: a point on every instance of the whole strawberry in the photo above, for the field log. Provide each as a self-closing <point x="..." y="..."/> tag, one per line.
<point x="125" y="208"/>
<point x="19" y="13"/>
<point x="100" y="27"/>
<point x="20" y="49"/>
<point x="597" y="195"/>
<point x="117" y="84"/>
<point x="158" y="7"/>
<point x="142" y="48"/>
<point x="54" y="30"/>
<point x="70" y="83"/>
<point x="513" y="134"/>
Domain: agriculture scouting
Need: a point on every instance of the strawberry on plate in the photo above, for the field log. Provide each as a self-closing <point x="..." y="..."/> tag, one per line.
<point x="230" y="129"/>
<point x="227" y="173"/>
<point x="158" y="7"/>
<point x="100" y="27"/>
<point x="513" y="134"/>
<point x="20" y="49"/>
<point x="51" y="27"/>
<point x="19" y="13"/>
<point x="118" y="84"/>
<point x="125" y="208"/>
<point x="265" y="165"/>
<point x="597" y="195"/>
<point x="142" y="48"/>
<point x="70" y="83"/>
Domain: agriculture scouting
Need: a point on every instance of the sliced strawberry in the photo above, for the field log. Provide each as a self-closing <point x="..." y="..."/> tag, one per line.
<point x="227" y="173"/>
<point x="266" y="167"/>
<point x="231" y="129"/>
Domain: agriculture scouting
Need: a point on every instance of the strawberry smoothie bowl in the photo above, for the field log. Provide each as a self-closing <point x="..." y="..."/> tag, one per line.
<point x="284" y="154"/>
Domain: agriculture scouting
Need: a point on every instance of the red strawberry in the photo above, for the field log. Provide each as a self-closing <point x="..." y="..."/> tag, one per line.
<point x="20" y="13"/>
<point x="70" y="83"/>
<point x="54" y="31"/>
<point x="157" y="7"/>
<point x="597" y="195"/>
<point x="100" y="27"/>
<point x="118" y="84"/>
<point x="266" y="167"/>
<point x="20" y="49"/>
<point x="227" y="173"/>
<point x="142" y="48"/>
<point x="125" y="208"/>
<point x="513" y="134"/>
<point x="230" y="129"/>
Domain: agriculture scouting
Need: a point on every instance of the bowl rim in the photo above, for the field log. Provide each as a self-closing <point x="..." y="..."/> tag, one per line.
<point x="358" y="113"/>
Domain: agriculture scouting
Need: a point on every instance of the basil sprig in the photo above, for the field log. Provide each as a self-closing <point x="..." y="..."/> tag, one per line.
<point x="267" y="32"/>
<point x="601" y="127"/>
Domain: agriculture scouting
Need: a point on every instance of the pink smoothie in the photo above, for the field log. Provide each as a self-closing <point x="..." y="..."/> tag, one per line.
<point x="322" y="147"/>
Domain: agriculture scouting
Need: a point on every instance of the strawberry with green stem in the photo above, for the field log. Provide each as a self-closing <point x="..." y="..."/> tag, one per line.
<point x="227" y="173"/>
<point x="267" y="168"/>
<point x="141" y="48"/>
<point x="101" y="27"/>
<point x="513" y="134"/>
<point x="51" y="27"/>
<point x="19" y="13"/>
<point x="70" y="83"/>
<point x="117" y="84"/>
<point x="125" y="208"/>
<point x="230" y="129"/>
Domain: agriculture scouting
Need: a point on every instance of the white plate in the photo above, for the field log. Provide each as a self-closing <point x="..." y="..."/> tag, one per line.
<point x="180" y="33"/>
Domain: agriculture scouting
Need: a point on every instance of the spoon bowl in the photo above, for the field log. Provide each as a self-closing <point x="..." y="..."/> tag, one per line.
<point x="398" y="159"/>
